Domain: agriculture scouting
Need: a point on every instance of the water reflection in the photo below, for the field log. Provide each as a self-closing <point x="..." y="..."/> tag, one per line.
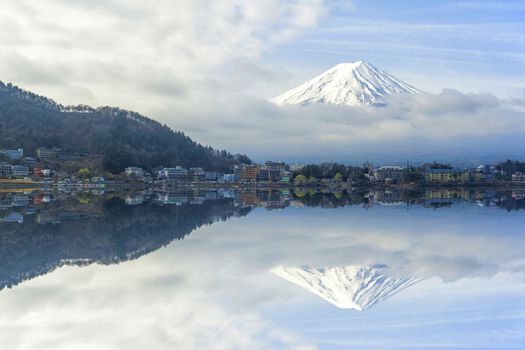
<point x="350" y="287"/>
<point x="407" y="260"/>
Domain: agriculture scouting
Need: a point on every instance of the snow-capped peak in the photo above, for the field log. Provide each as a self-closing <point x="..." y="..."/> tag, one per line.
<point x="350" y="287"/>
<point x="353" y="84"/>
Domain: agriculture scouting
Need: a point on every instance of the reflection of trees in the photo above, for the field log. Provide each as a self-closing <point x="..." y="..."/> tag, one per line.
<point x="122" y="233"/>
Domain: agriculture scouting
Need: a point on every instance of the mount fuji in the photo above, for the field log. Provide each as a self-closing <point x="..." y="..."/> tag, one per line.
<point x="353" y="84"/>
<point x="351" y="287"/>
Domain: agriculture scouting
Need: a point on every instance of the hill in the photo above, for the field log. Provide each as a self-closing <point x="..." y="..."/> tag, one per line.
<point x="124" y="138"/>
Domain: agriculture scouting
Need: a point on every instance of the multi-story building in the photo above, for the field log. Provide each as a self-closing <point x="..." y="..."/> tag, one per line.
<point x="6" y="169"/>
<point x="237" y="169"/>
<point x="272" y="171"/>
<point x="392" y="173"/>
<point x="20" y="171"/>
<point x="447" y="175"/>
<point x="177" y="173"/>
<point x="211" y="176"/>
<point x="14" y="153"/>
<point x="249" y="173"/>
<point x="47" y="153"/>
<point x="134" y="171"/>
<point x="518" y="176"/>
<point x="197" y="174"/>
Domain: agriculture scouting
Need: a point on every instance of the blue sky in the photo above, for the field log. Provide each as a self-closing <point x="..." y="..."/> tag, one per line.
<point x="476" y="46"/>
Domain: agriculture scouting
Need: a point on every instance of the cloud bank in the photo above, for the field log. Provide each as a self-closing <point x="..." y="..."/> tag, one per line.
<point x="448" y="126"/>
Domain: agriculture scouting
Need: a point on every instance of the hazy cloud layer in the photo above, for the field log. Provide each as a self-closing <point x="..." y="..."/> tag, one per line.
<point x="450" y="126"/>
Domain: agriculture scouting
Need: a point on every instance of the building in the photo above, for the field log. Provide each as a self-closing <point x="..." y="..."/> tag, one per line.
<point x="197" y="174"/>
<point x="272" y="171"/>
<point x="47" y="153"/>
<point x="6" y="169"/>
<point x="134" y="171"/>
<point x="447" y="175"/>
<point x="20" y="171"/>
<point x="389" y="173"/>
<point x="228" y="177"/>
<point x="211" y="176"/>
<point x="249" y="173"/>
<point x="29" y="161"/>
<point x="14" y="154"/>
<point x="62" y="155"/>
<point x="237" y="173"/>
<point x="296" y="167"/>
<point x="178" y="173"/>
<point x="517" y="176"/>
<point x="484" y="173"/>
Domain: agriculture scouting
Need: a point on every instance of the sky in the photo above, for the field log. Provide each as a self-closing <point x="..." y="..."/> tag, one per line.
<point x="209" y="69"/>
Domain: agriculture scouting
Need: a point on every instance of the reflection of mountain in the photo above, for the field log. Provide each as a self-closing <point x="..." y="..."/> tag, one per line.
<point x="352" y="287"/>
<point x="122" y="233"/>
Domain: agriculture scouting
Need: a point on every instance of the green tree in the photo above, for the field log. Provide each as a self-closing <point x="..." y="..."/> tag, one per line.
<point x="300" y="179"/>
<point x="83" y="173"/>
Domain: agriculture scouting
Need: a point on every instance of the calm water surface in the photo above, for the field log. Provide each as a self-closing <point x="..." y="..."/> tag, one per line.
<point x="225" y="270"/>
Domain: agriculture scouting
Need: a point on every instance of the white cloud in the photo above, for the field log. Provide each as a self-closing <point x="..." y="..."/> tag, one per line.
<point x="111" y="52"/>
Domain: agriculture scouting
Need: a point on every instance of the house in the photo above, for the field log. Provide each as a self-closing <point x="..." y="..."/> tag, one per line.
<point x="389" y="173"/>
<point x="447" y="175"/>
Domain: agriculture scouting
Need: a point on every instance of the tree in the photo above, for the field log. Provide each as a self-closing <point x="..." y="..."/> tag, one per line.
<point x="300" y="179"/>
<point x="83" y="173"/>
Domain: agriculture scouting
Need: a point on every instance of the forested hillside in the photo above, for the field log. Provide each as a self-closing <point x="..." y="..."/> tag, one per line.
<point x="124" y="138"/>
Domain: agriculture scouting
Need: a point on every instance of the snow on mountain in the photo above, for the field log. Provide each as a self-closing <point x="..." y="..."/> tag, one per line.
<point x="353" y="84"/>
<point x="351" y="287"/>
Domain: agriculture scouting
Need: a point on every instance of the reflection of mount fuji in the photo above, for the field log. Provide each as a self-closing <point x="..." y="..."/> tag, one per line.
<point x="117" y="233"/>
<point x="351" y="287"/>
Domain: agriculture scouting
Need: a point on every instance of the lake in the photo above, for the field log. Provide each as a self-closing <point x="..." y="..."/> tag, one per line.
<point x="222" y="269"/>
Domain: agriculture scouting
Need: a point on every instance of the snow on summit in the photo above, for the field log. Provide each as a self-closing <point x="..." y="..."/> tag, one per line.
<point x="349" y="287"/>
<point x="352" y="84"/>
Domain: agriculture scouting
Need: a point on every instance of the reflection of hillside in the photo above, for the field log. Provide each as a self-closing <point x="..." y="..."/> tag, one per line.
<point x="122" y="233"/>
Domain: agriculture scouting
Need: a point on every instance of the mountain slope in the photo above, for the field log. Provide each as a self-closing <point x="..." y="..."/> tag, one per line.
<point x="351" y="287"/>
<point x="353" y="84"/>
<point x="123" y="137"/>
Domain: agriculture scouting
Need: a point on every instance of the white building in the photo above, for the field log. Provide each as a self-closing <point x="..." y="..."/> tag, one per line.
<point x="388" y="173"/>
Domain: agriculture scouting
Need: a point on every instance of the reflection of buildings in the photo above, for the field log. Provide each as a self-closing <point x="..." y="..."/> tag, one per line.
<point x="351" y="287"/>
<point x="172" y="198"/>
<point x="455" y="193"/>
<point x="134" y="199"/>
<point x="387" y="197"/>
